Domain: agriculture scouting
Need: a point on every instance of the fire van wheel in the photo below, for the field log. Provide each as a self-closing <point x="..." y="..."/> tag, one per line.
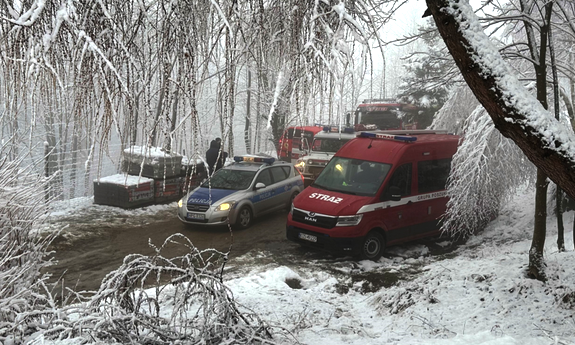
<point x="373" y="246"/>
<point x="245" y="218"/>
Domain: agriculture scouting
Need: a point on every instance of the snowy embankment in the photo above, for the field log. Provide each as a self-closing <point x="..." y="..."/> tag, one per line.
<point x="479" y="296"/>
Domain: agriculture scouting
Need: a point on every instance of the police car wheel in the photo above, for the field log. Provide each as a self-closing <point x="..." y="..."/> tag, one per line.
<point x="373" y="246"/>
<point x="244" y="218"/>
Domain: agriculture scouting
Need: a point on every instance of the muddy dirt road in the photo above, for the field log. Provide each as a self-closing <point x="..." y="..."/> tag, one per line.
<point x="95" y="240"/>
<point x="83" y="261"/>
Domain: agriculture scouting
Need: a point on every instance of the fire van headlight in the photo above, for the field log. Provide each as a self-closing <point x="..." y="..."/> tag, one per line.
<point x="349" y="220"/>
<point x="226" y="206"/>
<point x="300" y="165"/>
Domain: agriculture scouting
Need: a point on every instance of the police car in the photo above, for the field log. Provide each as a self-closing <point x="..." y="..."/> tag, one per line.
<point x="237" y="193"/>
<point x="325" y="145"/>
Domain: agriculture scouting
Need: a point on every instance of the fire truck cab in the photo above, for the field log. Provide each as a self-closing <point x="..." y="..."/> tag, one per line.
<point x="385" y="114"/>
<point x="325" y="144"/>
<point x="296" y="141"/>
<point x="381" y="188"/>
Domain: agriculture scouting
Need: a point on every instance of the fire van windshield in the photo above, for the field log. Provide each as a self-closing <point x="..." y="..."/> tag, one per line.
<point x="352" y="176"/>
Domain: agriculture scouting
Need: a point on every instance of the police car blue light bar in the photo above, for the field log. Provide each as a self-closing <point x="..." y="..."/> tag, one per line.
<point x="387" y="136"/>
<point x="254" y="159"/>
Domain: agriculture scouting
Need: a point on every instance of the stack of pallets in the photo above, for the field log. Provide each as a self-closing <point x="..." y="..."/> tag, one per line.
<point x="150" y="176"/>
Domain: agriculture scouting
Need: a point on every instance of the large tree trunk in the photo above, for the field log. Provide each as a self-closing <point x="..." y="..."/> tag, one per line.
<point x="560" y="225"/>
<point x="536" y="264"/>
<point x="553" y="158"/>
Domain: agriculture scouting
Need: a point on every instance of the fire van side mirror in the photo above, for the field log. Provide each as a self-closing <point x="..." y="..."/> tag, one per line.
<point x="392" y="193"/>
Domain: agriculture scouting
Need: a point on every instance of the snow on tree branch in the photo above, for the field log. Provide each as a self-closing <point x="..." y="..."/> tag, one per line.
<point x="516" y="113"/>
<point x="486" y="171"/>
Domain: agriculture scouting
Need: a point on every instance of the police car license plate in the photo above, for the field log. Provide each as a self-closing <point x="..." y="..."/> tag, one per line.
<point x="307" y="237"/>
<point x="196" y="216"/>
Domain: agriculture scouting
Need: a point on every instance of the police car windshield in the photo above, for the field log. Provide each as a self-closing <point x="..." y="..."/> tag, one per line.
<point x="328" y="145"/>
<point x="230" y="179"/>
<point x="352" y="176"/>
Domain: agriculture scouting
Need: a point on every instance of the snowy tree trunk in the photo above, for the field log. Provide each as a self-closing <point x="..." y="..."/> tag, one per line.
<point x="536" y="263"/>
<point x="258" y="117"/>
<point x="556" y="162"/>
<point x="174" y="117"/>
<point x="558" y="191"/>
<point x="247" y="127"/>
<point x="74" y="167"/>
<point x="560" y="225"/>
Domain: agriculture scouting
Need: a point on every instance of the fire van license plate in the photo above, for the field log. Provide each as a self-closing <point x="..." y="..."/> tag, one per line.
<point x="307" y="237"/>
<point x="196" y="216"/>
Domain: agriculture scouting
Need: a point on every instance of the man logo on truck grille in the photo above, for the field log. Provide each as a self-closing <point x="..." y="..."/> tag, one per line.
<point x="310" y="217"/>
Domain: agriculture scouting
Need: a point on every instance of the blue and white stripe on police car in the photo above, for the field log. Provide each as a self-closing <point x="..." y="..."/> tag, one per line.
<point x="266" y="195"/>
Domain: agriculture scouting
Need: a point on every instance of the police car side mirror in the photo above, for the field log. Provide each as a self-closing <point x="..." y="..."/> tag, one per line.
<point x="259" y="185"/>
<point x="392" y="193"/>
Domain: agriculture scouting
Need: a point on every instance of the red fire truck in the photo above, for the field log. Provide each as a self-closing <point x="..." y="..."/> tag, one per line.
<point x="296" y="141"/>
<point x="381" y="188"/>
<point x="385" y="114"/>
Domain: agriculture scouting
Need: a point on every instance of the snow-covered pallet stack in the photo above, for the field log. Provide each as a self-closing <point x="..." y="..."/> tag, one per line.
<point x="167" y="190"/>
<point x="151" y="175"/>
<point x="124" y="191"/>
<point x="151" y="162"/>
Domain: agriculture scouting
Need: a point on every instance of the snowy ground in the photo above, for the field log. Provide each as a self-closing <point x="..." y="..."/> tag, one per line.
<point x="478" y="294"/>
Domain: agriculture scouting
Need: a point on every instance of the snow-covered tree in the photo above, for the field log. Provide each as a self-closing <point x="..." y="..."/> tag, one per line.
<point x="486" y="170"/>
<point x="514" y="111"/>
<point x="430" y="75"/>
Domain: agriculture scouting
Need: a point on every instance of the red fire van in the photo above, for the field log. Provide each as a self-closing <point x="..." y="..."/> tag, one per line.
<point x="380" y="189"/>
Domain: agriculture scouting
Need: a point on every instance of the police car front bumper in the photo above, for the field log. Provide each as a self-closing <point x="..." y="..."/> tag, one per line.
<point x="208" y="218"/>
<point x="335" y="245"/>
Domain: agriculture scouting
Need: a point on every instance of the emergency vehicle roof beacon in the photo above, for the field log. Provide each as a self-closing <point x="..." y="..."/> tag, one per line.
<point x="237" y="193"/>
<point x="381" y="188"/>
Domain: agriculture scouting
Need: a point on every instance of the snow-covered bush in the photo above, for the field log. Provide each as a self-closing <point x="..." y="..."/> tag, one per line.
<point x="160" y="300"/>
<point x="24" y="295"/>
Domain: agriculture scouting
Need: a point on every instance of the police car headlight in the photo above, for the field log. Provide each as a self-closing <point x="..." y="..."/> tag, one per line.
<point x="226" y="206"/>
<point x="181" y="203"/>
<point x="349" y="220"/>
